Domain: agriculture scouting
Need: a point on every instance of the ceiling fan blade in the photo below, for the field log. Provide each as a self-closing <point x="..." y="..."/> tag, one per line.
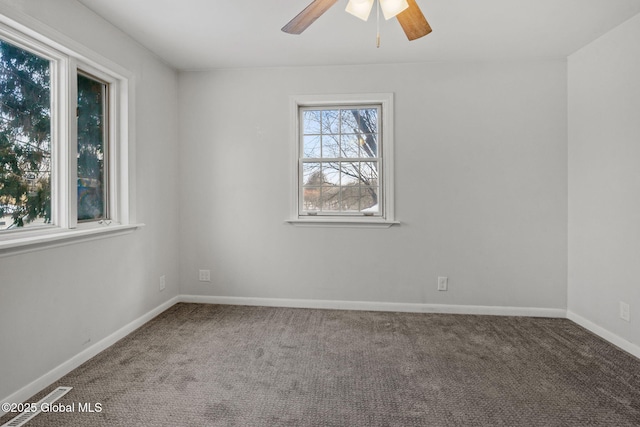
<point x="307" y="17"/>
<point x="413" y="22"/>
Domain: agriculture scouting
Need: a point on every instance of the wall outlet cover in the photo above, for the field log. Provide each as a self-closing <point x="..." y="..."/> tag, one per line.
<point x="624" y="311"/>
<point x="443" y="283"/>
<point x="204" y="275"/>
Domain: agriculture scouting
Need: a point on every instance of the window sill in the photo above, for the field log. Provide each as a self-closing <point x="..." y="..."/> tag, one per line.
<point x="343" y="222"/>
<point x="58" y="237"/>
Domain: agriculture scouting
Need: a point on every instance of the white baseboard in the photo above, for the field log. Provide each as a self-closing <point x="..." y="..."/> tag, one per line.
<point x="379" y="306"/>
<point x="61" y="370"/>
<point x="605" y="334"/>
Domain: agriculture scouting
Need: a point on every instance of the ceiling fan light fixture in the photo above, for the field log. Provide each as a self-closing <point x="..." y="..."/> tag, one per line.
<point x="391" y="8"/>
<point x="360" y="8"/>
<point x="409" y="15"/>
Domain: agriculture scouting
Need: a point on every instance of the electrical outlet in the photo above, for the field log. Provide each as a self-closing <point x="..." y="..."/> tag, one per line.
<point x="624" y="311"/>
<point x="163" y="282"/>
<point x="443" y="283"/>
<point x="205" y="275"/>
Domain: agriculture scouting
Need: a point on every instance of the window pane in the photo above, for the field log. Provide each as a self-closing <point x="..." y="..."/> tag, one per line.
<point x="349" y="122"/>
<point x="369" y="199"/>
<point x="91" y="149"/>
<point x="330" y="146"/>
<point x="25" y="138"/>
<point x="369" y="173"/>
<point x="351" y="145"/>
<point x="331" y="121"/>
<point x="311" y="122"/>
<point x="312" y="174"/>
<point x="330" y="199"/>
<point x="368" y="145"/>
<point x="331" y="173"/>
<point x="368" y="120"/>
<point x="350" y="198"/>
<point x="312" y="147"/>
<point x="350" y="173"/>
<point x="311" y="198"/>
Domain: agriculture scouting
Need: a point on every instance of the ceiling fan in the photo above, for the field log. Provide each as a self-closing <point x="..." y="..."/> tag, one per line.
<point x="407" y="12"/>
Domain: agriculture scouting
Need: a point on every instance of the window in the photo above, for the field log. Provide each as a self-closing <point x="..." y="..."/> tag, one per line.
<point x="344" y="159"/>
<point x="93" y="201"/>
<point x="63" y="140"/>
<point x="340" y="161"/>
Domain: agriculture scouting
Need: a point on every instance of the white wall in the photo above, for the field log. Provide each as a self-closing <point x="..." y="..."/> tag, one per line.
<point x="604" y="181"/>
<point x="481" y="187"/>
<point x="56" y="303"/>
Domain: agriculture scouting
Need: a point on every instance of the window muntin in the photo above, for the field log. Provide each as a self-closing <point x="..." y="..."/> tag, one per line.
<point x="25" y="138"/>
<point x="92" y="152"/>
<point x="339" y="161"/>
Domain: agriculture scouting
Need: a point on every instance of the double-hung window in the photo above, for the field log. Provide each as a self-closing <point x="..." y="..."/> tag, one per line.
<point x="63" y="141"/>
<point x="344" y="160"/>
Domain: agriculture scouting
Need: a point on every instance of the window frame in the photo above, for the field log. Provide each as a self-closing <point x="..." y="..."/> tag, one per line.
<point x="386" y="214"/>
<point x="68" y="58"/>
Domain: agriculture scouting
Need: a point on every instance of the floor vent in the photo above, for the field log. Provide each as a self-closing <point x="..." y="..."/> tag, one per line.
<point x="24" y="417"/>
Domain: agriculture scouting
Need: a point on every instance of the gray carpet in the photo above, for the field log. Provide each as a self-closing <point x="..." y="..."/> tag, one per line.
<point x="212" y="365"/>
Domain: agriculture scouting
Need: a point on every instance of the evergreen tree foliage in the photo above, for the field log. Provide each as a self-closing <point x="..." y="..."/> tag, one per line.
<point x="25" y="135"/>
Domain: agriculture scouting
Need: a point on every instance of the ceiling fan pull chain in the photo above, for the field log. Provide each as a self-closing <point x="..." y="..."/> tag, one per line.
<point x="378" y="24"/>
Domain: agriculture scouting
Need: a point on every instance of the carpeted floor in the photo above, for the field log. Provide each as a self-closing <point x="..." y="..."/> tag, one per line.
<point x="212" y="365"/>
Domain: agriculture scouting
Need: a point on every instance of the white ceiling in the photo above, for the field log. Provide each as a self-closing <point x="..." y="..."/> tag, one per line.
<point x="204" y="34"/>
